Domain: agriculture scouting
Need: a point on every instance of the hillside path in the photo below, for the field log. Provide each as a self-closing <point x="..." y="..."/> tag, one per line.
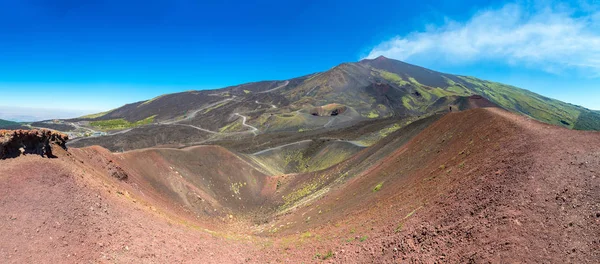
<point x="254" y="129"/>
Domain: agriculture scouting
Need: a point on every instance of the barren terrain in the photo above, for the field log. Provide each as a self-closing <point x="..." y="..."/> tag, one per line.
<point x="482" y="185"/>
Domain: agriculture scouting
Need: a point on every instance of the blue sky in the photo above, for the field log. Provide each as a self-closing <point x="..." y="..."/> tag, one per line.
<point x="61" y="58"/>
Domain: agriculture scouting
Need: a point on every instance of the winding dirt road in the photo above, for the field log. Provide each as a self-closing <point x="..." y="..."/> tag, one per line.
<point x="281" y="146"/>
<point x="254" y="129"/>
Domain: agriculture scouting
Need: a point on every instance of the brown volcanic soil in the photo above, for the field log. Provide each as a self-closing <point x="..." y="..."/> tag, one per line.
<point x="477" y="186"/>
<point x="481" y="185"/>
<point x="55" y="211"/>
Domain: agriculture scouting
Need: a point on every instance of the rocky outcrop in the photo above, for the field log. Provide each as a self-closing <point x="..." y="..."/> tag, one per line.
<point x="45" y="143"/>
<point x="116" y="171"/>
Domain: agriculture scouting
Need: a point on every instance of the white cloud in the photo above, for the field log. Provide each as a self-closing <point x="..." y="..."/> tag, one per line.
<point x="550" y="37"/>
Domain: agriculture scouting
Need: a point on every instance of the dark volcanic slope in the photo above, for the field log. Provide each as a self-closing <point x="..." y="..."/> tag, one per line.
<point x="343" y="97"/>
<point x="144" y="137"/>
<point x="346" y="95"/>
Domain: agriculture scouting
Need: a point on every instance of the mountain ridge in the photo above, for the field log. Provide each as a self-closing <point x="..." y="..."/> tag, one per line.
<point x="342" y="97"/>
<point x="346" y="77"/>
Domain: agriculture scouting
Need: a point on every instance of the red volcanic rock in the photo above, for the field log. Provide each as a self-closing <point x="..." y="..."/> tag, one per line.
<point x="14" y="143"/>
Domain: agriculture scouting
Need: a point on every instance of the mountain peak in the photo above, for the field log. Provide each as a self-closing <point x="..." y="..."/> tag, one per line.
<point x="380" y="58"/>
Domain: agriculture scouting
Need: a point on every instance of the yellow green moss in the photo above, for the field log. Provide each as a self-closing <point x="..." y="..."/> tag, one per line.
<point x="115" y="124"/>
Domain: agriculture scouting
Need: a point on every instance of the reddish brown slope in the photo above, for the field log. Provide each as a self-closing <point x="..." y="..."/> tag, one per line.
<point x="208" y="184"/>
<point x="477" y="186"/>
<point x="214" y="171"/>
<point x="57" y="211"/>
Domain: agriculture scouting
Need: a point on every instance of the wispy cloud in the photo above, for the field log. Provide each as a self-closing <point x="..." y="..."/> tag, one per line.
<point x="551" y="37"/>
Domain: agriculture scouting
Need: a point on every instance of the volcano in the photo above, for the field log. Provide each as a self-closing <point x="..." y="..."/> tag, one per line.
<point x="377" y="161"/>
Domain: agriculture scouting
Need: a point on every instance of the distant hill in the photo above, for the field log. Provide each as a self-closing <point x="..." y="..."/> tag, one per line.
<point x="5" y="124"/>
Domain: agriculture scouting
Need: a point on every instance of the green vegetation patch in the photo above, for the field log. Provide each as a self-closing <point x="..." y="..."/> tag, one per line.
<point x="327" y="158"/>
<point x="313" y="188"/>
<point x="388" y="130"/>
<point x="214" y="107"/>
<point x="232" y="127"/>
<point x="525" y="102"/>
<point x="8" y="124"/>
<point x="301" y="192"/>
<point x="306" y="234"/>
<point x="378" y="187"/>
<point x="439" y="92"/>
<point x="407" y="101"/>
<point x="115" y="124"/>
<point x="287" y="121"/>
<point x="392" y="77"/>
<point x="372" y="114"/>
<point x="460" y="90"/>
<point x="324" y="256"/>
<point x="588" y="120"/>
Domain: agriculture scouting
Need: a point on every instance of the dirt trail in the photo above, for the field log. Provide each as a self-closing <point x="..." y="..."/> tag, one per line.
<point x="254" y="129"/>
<point x="281" y="146"/>
<point x="197" y="127"/>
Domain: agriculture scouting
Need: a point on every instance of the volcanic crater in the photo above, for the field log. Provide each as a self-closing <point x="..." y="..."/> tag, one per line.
<point x="472" y="186"/>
